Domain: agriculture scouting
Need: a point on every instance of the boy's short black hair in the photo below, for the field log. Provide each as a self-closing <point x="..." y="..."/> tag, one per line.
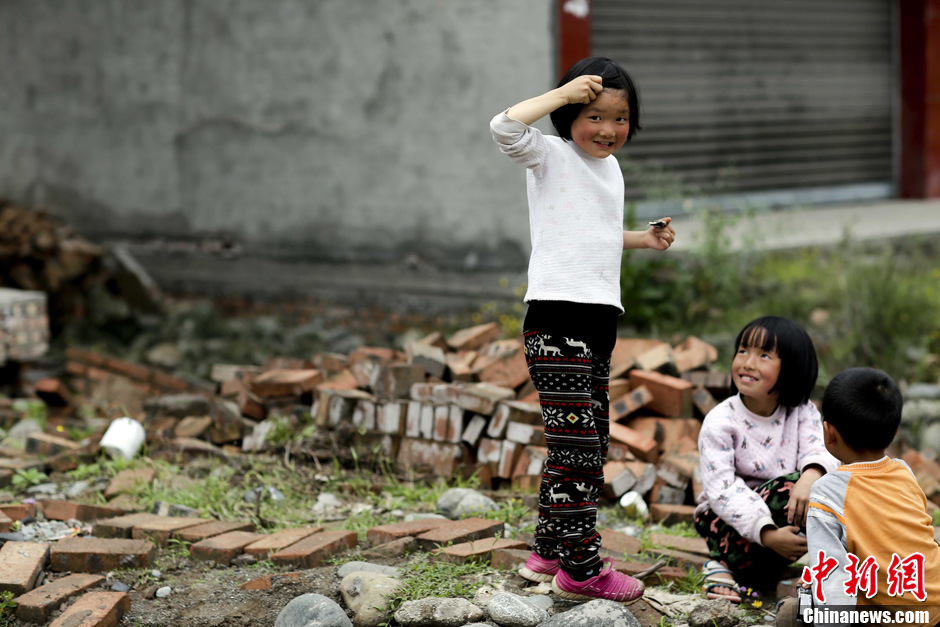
<point x="798" y="365"/>
<point x="612" y="77"/>
<point x="864" y="405"/>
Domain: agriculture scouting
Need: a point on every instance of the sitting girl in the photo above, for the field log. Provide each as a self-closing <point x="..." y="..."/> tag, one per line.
<point x="760" y="452"/>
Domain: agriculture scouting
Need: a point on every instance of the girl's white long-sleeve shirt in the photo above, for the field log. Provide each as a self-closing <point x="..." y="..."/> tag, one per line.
<point x="575" y="215"/>
<point x="739" y="450"/>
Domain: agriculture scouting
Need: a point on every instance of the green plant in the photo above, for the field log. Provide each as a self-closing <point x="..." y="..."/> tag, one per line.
<point x="7" y="607"/>
<point x="422" y="578"/>
<point x="26" y="477"/>
<point x="32" y="410"/>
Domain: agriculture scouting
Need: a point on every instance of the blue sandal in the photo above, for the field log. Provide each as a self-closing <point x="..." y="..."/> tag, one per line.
<point x="717" y="575"/>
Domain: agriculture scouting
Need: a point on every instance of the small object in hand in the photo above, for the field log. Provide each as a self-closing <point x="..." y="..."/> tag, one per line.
<point x="658" y="224"/>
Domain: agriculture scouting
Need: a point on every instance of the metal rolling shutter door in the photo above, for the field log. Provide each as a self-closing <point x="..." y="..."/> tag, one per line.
<point x="742" y="96"/>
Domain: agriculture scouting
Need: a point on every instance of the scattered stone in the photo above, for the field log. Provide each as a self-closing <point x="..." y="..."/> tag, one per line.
<point x="269" y="492"/>
<point x="541" y="601"/>
<point x="18" y="433"/>
<point x="44" y="488"/>
<point x="164" y="355"/>
<point x="715" y="613"/>
<point x="76" y="489"/>
<point x="930" y="437"/>
<point x="475" y="504"/>
<point x="366" y="567"/>
<point x="367" y="594"/>
<point x="326" y="504"/>
<point x="916" y="411"/>
<point x="312" y="610"/>
<point x="162" y="508"/>
<point x="163" y="592"/>
<point x="177" y="405"/>
<point x="512" y="610"/>
<point x="449" y="501"/>
<point x="120" y="586"/>
<point x="244" y="560"/>
<point x="597" y="613"/>
<point x="438" y="613"/>
<point x="929" y="391"/>
<point x="156" y="574"/>
<point x="414" y="517"/>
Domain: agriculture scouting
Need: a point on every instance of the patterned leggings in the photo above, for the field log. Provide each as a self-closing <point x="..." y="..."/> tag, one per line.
<point x="752" y="564"/>
<point x="572" y="384"/>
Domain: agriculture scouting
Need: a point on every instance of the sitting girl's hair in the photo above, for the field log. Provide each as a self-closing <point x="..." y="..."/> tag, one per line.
<point x="798" y="366"/>
<point x="612" y="77"/>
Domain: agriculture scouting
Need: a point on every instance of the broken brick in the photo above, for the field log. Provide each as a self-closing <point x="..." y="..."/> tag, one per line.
<point x="312" y="550"/>
<point x="448" y="423"/>
<point x="530" y="462"/>
<point x="657" y="358"/>
<point x="625" y="352"/>
<point x="474" y="430"/>
<point x="46" y="445"/>
<point x="703" y="401"/>
<point x="509" y="559"/>
<point x="677" y="469"/>
<point x="395" y="548"/>
<point x="223" y="548"/>
<point x="662" y="492"/>
<point x="508" y="371"/>
<point x="694" y="353"/>
<point x="672" y="514"/>
<point x="481" y="398"/>
<point x="533" y="435"/>
<point x="429" y="358"/>
<point x="95" y="609"/>
<point x="438" y="457"/>
<point x="285" y="382"/>
<point x="53" y="392"/>
<point x="474" y="337"/>
<point x="19" y="511"/>
<point x="642" y="446"/>
<point x="389" y="417"/>
<point x="278" y="540"/>
<point x="508" y="454"/>
<point x="121" y="526"/>
<point x="267" y="582"/>
<point x="38" y="605"/>
<point x="394" y="381"/>
<point x="630" y="402"/>
<point x="159" y="529"/>
<point x="387" y="533"/>
<point x="689" y="545"/>
<point x="459" y="531"/>
<point x="64" y="510"/>
<point x="20" y="564"/>
<point x="672" y="396"/>
<point x="97" y="555"/>
<point x="192" y="426"/>
<point x="5" y="523"/>
<point x="513" y="411"/>
<point x="476" y="550"/>
<point x="618" y="544"/>
<point x="211" y="529"/>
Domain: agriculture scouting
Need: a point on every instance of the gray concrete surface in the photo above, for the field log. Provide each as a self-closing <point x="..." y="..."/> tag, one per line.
<point x="327" y="130"/>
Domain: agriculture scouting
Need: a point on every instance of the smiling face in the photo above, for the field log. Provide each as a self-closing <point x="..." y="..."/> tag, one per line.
<point x="755" y="372"/>
<point x="602" y="125"/>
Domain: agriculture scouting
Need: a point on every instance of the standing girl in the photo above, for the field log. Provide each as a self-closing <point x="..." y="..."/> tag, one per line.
<point x="760" y="452"/>
<point x="575" y="190"/>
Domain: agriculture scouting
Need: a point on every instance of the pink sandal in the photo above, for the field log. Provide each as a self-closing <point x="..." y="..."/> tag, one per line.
<point x="609" y="584"/>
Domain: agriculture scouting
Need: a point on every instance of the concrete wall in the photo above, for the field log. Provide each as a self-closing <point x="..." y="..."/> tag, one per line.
<point x="305" y="129"/>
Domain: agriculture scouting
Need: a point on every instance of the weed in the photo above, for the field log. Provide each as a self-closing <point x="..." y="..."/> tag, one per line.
<point x="26" y="477"/>
<point x="7" y="607"/>
<point x="32" y="409"/>
<point x="422" y="578"/>
<point x="512" y="512"/>
<point x="692" y="583"/>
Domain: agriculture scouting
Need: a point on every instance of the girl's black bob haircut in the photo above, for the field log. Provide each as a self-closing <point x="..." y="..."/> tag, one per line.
<point x="612" y="77"/>
<point x="798" y="366"/>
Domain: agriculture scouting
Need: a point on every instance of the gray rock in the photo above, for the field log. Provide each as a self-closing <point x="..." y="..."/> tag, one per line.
<point x="177" y="405"/>
<point x="255" y="440"/>
<point x="448" y="502"/>
<point x="930" y="391"/>
<point x="312" y="610"/>
<point x="419" y="516"/>
<point x="165" y="355"/>
<point x="438" y="613"/>
<point x="930" y="437"/>
<point x="459" y="502"/>
<point x="920" y="410"/>
<point x="367" y="594"/>
<point x="475" y="504"/>
<point x="541" y="601"/>
<point x="597" y="613"/>
<point x="715" y="613"/>
<point x="43" y="488"/>
<point x="326" y="504"/>
<point x="512" y="610"/>
<point x="163" y="592"/>
<point x="120" y="586"/>
<point x="21" y="430"/>
<point x="366" y="567"/>
<point x="76" y="489"/>
<point x="245" y="559"/>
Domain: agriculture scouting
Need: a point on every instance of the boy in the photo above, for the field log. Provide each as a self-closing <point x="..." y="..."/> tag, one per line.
<point x="871" y="542"/>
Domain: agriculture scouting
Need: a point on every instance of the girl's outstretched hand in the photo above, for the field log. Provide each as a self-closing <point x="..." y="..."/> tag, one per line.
<point x="785" y="541"/>
<point x="660" y="237"/>
<point x="798" y="505"/>
<point x="583" y="89"/>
